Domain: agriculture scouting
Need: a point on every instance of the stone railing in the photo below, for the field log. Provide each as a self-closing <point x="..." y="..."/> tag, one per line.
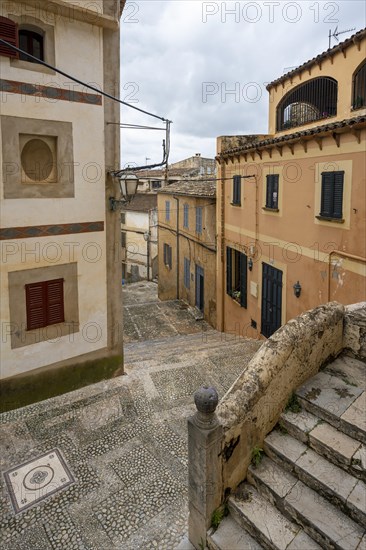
<point x="221" y="443"/>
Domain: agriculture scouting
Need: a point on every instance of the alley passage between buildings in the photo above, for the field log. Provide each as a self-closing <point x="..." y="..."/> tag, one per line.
<point x="117" y="449"/>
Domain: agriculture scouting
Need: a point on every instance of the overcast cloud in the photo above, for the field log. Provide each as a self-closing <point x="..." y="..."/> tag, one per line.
<point x="180" y="59"/>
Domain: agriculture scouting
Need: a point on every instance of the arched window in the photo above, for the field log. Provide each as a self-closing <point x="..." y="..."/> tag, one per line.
<point x="313" y="100"/>
<point x="359" y="87"/>
<point x="9" y="33"/>
<point x="32" y="43"/>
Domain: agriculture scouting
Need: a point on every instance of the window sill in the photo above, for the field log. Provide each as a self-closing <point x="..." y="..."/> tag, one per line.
<point x="235" y="203"/>
<point x="236" y="301"/>
<point x="29" y="66"/>
<point x="326" y="219"/>
<point x="268" y="209"/>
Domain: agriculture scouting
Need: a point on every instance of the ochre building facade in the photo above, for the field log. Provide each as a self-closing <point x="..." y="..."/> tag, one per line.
<point x="291" y="204"/>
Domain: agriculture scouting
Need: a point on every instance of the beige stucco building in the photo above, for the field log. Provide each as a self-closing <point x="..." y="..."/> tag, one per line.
<point x="187" y="245"/>
<point x="139" y="238"/>
<point x="60" y="243"/>
<point x="291" y="204"/>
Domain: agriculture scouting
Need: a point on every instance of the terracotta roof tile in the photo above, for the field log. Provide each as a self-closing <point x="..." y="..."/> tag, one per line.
<point x="191" y="188"/>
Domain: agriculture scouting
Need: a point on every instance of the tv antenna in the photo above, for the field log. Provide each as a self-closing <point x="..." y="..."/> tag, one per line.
<point x="336" y="33"/>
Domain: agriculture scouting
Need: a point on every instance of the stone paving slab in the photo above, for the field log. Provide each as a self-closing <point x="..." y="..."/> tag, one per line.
<point x="125" y="441"/>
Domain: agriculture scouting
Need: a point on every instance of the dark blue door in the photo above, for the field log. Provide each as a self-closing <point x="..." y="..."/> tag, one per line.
<point x="271" y="299"/>
<point x="199" y="287"/>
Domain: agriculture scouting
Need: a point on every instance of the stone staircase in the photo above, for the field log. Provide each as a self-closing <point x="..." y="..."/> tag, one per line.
<point x="308" y="489"/>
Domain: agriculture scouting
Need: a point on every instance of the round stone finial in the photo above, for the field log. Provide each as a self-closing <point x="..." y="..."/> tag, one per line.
<point x="206" y="399"/>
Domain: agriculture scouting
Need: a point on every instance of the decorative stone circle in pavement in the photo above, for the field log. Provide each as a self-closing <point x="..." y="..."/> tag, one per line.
<point x="37" y="479"/>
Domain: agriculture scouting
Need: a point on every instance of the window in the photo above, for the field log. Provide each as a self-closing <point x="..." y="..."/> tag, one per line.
<point x="187" y="273"/>
<point x="359" y="87"/>
<point x="199" y="219"/>
<point x="156" y="184"/>
<point x="32" y="43"/>
<point x="272" y="191"/>
<point x="123" y="218"/>
<point x="45" y="303"/>
<point x="237" y="190"/>
<point x="8" y="32"/>
<point x="332" y="195"/>
<point x="185" y="215"/>
<point x="236" y="275"/>
<point x="167" y="210"/>
<point x="167" y="256"/>
<point x="313" y="100"/>
<point x="123" y="239"/>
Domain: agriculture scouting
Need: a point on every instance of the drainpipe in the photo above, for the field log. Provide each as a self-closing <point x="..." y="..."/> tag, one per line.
<point x="175" y="198"/>
<point x="344" y="255"/>
<point x="222" y="239"/>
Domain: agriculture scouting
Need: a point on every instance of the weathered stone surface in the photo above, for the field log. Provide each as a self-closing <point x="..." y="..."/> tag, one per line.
<point x="270" y="475"/>
<point x="299" y="424"/>
<point x="357" y="501"/>
<point x="354" y="339"/>
<point x="332" y="442"/>
<point x="327" y="524"/>
<point x="302" y="541"/>
<point x="230" y="536"/>
<point x="355" y="418"/>
<point x="262" y="519"/>
<point x="284" y="446"/>
<point x="350" y="370"/>
<point x="328" y="396"/>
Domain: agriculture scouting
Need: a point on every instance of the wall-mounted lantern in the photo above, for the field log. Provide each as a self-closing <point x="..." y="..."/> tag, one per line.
<point x="250" y="264"/>
<point x="128" y="187"/>
<point x="297" y="289"/>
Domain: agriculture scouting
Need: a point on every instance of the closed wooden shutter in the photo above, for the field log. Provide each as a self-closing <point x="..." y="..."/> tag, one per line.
<point x="338" y="194"/>
<point x="36" y="306"/>
<point x="243" y="280"/>
<point x="44" y="303"/>
<point x="332" y="195"/>
<point x="236" y="189"/>
<point x="229" y="284"/>
<point x="326" y="207"/>
<point x="8" y="32"/>
<point x="55" y="301"/>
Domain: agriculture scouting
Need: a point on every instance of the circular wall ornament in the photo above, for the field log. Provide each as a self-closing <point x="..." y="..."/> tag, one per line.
<point x="37" y="160"/>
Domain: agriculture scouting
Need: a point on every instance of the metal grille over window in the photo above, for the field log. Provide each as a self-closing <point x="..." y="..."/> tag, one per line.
<point x="359" y="88"/>
<point x="8" y="32"/>
<point x="313" y="100"/>
<point x="168" y="255"/>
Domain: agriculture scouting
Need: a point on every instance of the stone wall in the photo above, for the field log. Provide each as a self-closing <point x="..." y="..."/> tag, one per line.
<point x="222" y="451"/>
<point x="354" y="338"/>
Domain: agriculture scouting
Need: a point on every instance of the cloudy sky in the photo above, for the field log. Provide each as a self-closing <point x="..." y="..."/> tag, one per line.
<point x="205" y="65"/>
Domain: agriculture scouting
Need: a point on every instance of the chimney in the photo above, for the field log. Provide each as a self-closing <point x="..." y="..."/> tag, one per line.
<point x="198" y="154"/>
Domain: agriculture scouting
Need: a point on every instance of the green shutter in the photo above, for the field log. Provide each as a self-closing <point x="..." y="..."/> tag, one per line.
<point x="338" y="194"/>
<point x="229" y="285"/>
<point x="243" y="280"/>
<point x="326" y="208"/>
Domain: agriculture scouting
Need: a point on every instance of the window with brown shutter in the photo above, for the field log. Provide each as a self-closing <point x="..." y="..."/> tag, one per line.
<point x="45" y="303"/>
<point x="8" y="32"/>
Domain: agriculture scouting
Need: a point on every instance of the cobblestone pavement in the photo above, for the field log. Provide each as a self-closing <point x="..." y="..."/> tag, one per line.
<point x="124" y="443"/>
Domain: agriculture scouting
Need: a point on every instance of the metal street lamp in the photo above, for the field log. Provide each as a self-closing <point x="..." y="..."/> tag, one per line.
<point x="128" y="186"/>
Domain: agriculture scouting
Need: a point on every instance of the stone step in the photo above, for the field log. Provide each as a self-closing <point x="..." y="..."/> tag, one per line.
<point x="139" y="351"/>
<point x="339" y="403"/>
<point x="230" y="536"/>
<point x="265" y="523"/>
<point x="322" y="521"/>
<point x="350" y="370"/>
<point x="318" y="473"/>
<point x="342" y="450"/>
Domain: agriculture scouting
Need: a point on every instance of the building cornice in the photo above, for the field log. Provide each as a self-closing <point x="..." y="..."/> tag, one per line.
<point x="335" y="129"/>
<point x="73" y="11"/>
